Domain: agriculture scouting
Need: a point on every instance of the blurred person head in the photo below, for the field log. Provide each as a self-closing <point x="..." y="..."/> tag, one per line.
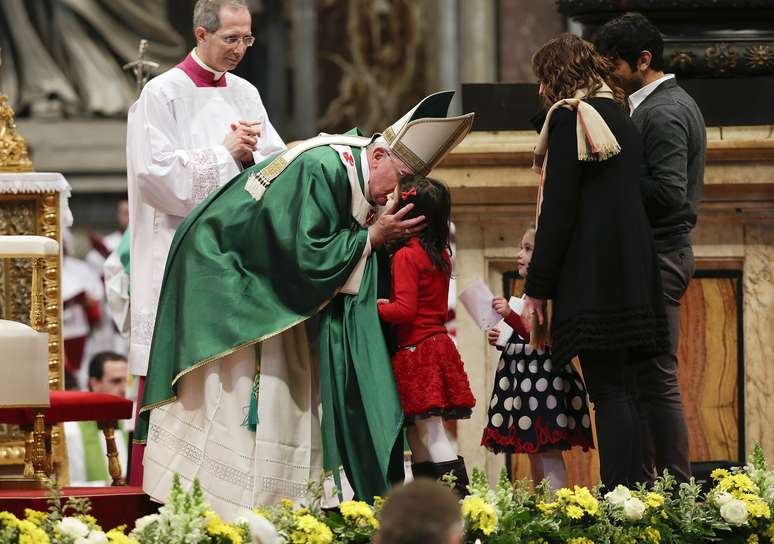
<point x="636" y="48"/>
<point x="223" y="30"/>
<point x="122" y="214"/>
<point x="421" y="512"/>
<point x="108" y="373"/>
<point x="568" y="64"/>
<point x="524" y="256"/>
<point x="70" y="382"/>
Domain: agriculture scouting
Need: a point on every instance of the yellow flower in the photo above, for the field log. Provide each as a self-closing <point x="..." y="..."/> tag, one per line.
<point x="652" y="535"/>
<point x="358" y="512"/>
<point x="752" y="539"/>
<point x="35" y="516"/>
<point x="547" y="507"/>
<point x="719" y="474"/>
<point x="117" y="536"/>
<point x="564" y="493"/>
<point x="758" y="509"/>
<point x="217" y="527"/>
<point x="6" y="518"/>
<point x="378" y="502"/>
<point x="580" y="540"/>
<point x="29" y="533"/>
<point x="586" y="500"/>
<point x="286" y="503"/>
<point x="309" y="530"/>
<point x="574" y="512"/>
<point x="654" y="500"/>
<point x="481" y="514"/>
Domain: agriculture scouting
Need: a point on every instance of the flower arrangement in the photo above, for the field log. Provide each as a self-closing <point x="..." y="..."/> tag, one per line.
<point x="737" y="510"/>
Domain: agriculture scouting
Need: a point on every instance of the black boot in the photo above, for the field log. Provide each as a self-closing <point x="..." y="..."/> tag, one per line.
<point x="423" y="470"/>
<point x="457" y="469"/>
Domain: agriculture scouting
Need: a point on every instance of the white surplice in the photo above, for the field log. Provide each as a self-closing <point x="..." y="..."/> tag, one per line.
<point x="175" y="159"/>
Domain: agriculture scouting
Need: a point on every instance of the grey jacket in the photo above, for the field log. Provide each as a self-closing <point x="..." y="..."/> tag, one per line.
<point x="675" y="147"/>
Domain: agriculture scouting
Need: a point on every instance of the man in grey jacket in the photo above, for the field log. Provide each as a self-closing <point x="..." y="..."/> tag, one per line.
<point x="675" y="147"/>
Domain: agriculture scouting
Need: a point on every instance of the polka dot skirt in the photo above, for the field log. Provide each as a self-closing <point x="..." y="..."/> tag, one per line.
<point x="536" y="405"/>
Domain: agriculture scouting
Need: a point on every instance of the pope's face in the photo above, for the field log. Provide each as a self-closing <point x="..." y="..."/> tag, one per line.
<point x="223" y="49"/>
<point x="386" y="172"/>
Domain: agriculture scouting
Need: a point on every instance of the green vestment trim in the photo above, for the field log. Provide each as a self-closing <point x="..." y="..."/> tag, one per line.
<point x="96" y="461"/>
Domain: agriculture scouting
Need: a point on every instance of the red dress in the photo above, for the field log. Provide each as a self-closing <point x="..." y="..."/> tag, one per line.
<point x="427" y="366"/>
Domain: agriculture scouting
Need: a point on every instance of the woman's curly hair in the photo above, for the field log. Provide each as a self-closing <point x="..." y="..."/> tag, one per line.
<point x="567" y="63"/>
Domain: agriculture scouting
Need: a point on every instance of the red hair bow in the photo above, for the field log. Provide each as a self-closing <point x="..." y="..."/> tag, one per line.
<point x="411" y="192"/>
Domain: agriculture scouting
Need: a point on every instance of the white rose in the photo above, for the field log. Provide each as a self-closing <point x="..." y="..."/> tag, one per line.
<point x="143" y="522"/>
<point x="73" y="527"/>
<point x="633" y="509"/>
<point x="94" y="537"/>
<point x="261" y="529"/>
<point x="618" y="496"/>
<point x="722" y="498"/>
<point x="734" y="512"/>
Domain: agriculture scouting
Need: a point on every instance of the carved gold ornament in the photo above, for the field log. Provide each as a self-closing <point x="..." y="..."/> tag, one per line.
<point x="760" y="57"/>
<point x="682" y="60"/>
<point x="721" y="58"/>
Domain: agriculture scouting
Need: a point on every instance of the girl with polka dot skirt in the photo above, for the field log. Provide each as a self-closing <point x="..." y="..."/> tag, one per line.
<point x="431" y="380"/>
<point x="536" y="407"/>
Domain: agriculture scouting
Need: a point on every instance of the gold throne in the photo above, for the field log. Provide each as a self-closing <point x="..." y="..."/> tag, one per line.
<point x="30" y="204"/>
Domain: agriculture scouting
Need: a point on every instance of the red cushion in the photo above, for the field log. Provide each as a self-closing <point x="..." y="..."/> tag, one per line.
<point x="73" y="406"/>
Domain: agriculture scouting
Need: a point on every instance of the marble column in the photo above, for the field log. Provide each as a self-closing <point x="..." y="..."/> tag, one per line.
<point x="304" y="59"/>
<point x="443" y="49"/>
<point x="478" y="37"/>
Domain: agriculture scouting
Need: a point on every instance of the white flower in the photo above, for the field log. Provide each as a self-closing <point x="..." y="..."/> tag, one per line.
<point x="633" y="508"/>
<point x="94" y="537"/>
<point x="261" y="529"/>
<point x="734" y="512"/>
<point x="143" y="522"/>
<point x="73" y="527"/>
<point x="618" y="496"/>
<point x="722" y="498"/>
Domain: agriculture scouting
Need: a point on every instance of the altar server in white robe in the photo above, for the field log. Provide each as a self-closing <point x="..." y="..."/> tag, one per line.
<point x="193" y="128"/>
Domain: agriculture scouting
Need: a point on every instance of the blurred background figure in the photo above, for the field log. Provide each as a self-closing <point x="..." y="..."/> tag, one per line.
<point x="85" y="443"/>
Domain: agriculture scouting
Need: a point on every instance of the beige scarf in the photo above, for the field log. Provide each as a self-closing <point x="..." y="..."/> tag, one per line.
<point x="595" y="140"/>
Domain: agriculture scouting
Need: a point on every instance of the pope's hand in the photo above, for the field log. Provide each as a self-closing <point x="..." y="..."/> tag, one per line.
<point x="391" y="226"/>
<point x="382" y="301"/>
<point x="534" y="307"/>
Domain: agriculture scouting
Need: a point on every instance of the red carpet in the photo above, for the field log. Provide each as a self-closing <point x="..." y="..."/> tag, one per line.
<point x="112" y="506"/>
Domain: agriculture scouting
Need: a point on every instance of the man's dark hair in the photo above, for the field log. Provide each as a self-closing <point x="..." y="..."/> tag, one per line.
<point x="97" y="363"/>
<point x="627" y="36"/>
<point x="421" y="512"/>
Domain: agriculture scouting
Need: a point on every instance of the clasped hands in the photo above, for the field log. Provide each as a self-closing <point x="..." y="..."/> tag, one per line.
<point x="243" y="140"/>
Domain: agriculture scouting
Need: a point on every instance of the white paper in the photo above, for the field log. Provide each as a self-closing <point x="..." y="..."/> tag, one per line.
<point x="477" y="299"/>
<point x="505" y="334"/>
<point x="517" y="305"/>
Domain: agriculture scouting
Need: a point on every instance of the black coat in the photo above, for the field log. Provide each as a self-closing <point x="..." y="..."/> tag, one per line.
<point x="594" y="253"/>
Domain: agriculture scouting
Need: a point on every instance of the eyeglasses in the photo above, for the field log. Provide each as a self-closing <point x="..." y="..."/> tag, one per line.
<point x="233" y="41"/>
<point x="401" y="174"/>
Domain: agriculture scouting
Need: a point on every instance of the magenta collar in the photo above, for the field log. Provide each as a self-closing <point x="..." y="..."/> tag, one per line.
<point x="200" y="76"/>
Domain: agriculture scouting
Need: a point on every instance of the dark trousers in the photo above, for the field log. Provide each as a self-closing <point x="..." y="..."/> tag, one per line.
<point x="611" y="382"/>
<point x="665" y="433"/>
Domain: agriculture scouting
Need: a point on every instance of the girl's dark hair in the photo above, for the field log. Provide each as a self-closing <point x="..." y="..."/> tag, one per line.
<point x="430" y="198"/>
<point x="568" y="63"/>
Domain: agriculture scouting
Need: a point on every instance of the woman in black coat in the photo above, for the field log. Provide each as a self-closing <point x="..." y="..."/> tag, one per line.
<point x="594" y="254"/>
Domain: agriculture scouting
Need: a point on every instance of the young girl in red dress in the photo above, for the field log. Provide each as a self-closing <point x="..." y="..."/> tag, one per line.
<point x="431" y="380"/>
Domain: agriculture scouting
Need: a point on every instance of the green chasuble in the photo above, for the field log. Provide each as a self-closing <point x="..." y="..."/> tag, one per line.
<point x="240" y="271"/>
